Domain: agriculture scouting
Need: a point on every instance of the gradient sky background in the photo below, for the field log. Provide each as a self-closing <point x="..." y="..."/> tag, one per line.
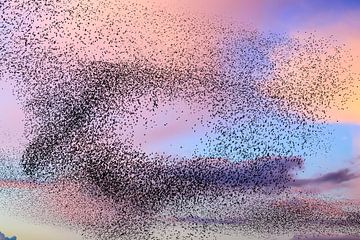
<point x="339" y="20"/>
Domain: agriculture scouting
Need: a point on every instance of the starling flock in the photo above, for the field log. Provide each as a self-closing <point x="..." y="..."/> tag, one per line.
<point x="87" y="73"/>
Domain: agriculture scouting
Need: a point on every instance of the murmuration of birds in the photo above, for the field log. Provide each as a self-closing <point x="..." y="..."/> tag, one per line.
<point x="87" y="73"/>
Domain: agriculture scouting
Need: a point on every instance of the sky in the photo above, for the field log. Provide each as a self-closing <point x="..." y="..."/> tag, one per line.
<point x="335" y="20"/>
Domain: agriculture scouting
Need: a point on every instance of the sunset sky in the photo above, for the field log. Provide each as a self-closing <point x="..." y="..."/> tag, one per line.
<point x="330" y="19"/>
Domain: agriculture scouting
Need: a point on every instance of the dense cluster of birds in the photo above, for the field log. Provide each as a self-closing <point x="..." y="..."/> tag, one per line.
<point x="89" y="72"/>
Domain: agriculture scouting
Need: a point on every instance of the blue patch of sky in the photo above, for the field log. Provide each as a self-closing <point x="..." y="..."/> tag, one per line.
<point x="318" y="12"/>
<point x="329" y="149"/>
<point x="3" y="237"/>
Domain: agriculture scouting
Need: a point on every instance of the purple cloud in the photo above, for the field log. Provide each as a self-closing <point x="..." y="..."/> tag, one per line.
<point x="337" y="177"/>
<point x="266" y="172"/>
